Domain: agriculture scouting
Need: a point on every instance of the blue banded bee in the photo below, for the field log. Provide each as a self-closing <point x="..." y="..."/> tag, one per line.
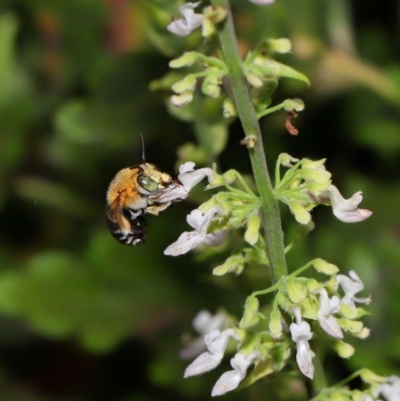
<point x="131" y="195"/>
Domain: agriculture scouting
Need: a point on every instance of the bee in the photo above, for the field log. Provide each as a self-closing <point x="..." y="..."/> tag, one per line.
<point x="132" y="195"/>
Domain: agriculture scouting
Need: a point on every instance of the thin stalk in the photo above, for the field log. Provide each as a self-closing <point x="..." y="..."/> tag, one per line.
<point x="241" y="95"/>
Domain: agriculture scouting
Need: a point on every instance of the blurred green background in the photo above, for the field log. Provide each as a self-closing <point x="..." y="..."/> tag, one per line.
<point x="83" y="317"/>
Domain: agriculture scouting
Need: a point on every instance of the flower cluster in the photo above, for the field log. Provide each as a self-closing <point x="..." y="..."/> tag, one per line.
<point x="307" y="184"/>
<point x="306" y="298"/>
<point x="210" y="15"/>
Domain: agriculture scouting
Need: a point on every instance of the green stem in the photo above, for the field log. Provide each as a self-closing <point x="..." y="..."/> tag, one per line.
<point x="241" y="95"/>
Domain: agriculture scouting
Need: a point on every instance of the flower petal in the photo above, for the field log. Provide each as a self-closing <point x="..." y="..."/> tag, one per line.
<point x="227" y="382"/>
<point x="330" y="325"/>
<point x="346" y="209"/>
<point x="304" y="359"/>
<point x="185" y="243"/>
<point x="189" y="22"/>
<point x="203" y="363"/>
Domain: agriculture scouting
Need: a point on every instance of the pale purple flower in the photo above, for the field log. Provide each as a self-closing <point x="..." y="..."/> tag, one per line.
<point x="351" y="286"/>
<point x="301" y="334"/>
<point x="326" y="308"/>
<point x="188" y="177"/>
<point x="216" y="343"/>
<point x="346" y="209"/>
<point x="190" y="21"/>
<point x="231" y="379"/>
<point x="204" y="323"/>
<point x="190" y="240"/>
<point x="391" y="389"/>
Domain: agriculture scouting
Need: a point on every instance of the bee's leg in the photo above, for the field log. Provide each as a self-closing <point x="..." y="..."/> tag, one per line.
<point x="156" y="209"/>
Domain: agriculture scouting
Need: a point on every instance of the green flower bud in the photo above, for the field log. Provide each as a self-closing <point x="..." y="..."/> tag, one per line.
<point x="348" y="311"/>
<point x="234" y="264"/>
<point x="363" y="333"/>
<point x="215" y="14"/>
<point x="208" y="29"/>
<point x="343" y="349"/>
<point x="275" y="324"/>
<point x="182" y="99"/>
<point x="211" y="90"/>
<point x="337" y="396"/>
<point x="254" y="80"/>
<point x="297" y="292"/>
<point x="253" y="228"/>
<point x="323" y="266"/>
<point x="368" y="376"/>
<point x="300" y="213"/>
<point x="286" y="160"/>
<point x="229" y="109"/>
<point x="353" y="326"/>
<point x="314" y="164"/>
<point x="186" y="60"/>
<point x="281" y="45"/>
<point x="319" y="176"/>
<point x="293" y="105"/>
<point x="186" y="84"/>
<point x="250" y="311"/>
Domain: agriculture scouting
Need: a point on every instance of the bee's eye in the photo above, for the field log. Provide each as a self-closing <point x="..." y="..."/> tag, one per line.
<point x="148" y="184"/>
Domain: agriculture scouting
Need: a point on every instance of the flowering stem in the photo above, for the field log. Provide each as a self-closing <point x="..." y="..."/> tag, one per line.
<point x="241" y="95"/>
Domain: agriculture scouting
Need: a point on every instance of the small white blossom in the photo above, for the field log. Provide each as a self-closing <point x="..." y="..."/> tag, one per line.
<point x="204" y="323"/>
<point x="301" y="333"/>
<point x="216" y="343"/>
<point x="262" y="2"/>
<point x="190" y="240"/>
<point x="351" y="286"/>
<point x="189" y="22"/>
<point x="231" y="379"/>
<point x="326" y="308"/>
<point x="188" y="178"/>
<point x="346" y="209"/>
<point x="391" y="389"/>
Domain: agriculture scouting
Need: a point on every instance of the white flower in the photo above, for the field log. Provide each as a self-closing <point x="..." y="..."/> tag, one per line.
<point x="346" y="209"/>
<point x="301" y="333"/>
<point x="190" y="240"/>
<point x="189" y="22"/>
<point x="216" y="343"/>
<point x="391" y="389"/>
<point x="188" y="178"/>
<point x="351" y="286"/>
<point x="231" y="379"/>
<point x="326" y="308"/>
<point x="204" y="323"/>
<point x="262" y="2"/>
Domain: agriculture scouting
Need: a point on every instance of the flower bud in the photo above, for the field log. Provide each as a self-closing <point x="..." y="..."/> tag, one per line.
<point x="253" y="228"/>
<point x="186" y="84"/>
<point x="343" y="349"/>
<point x="281" y="45"/>
<point x="293" y="105"/>
<point x="323" y="266"/>
<point x="250" y="311"/>
<point x="186" y="60"/>
<point x="301" y="215"/>
<point x="182" y="99"/>
<point x="208" y="29"/>
<point x="275" y="324"/>
<point x="233" y="264"/>
<point x="296" y="291"/>
<point x="229" y="109"/>
<point x="254" y="80"/>
<point x="215" y="14"/>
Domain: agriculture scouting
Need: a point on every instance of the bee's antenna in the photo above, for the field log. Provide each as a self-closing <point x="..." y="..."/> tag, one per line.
<point x="143" y="153"/>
